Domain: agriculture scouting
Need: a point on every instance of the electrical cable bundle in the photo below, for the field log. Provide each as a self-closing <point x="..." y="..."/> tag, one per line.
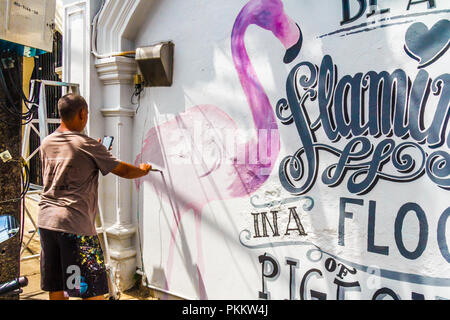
<point x="138" y="90"/>
<point x="11" y="106"/>
<point x="10" y="77"/>
<point x="10" y="80"/>
<point x="25" y="179"/>
<point x="25" y="188"/>
<point x="137" y="93"/>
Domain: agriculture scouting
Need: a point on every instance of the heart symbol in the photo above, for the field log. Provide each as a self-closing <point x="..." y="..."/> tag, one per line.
<point x="426" y="46"/>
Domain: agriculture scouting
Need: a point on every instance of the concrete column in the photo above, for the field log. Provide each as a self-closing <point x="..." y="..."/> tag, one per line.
<point x="116" y="74"/>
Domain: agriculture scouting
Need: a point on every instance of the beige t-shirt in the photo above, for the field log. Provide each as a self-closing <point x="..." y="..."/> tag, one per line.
<point x="70" y="165"/>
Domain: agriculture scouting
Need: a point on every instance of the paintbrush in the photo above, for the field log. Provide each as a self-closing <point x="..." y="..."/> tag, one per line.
<point x="155" y="169"/>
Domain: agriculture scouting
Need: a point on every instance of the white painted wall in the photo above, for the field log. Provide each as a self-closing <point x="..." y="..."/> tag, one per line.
<point x="211" y="257"/>
<point x="205" y="74"/>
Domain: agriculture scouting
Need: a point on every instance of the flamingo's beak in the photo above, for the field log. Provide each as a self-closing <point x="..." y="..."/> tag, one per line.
<point x="293" y="51"/>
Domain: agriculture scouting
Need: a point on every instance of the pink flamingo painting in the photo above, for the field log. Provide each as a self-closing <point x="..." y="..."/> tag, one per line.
<point x="197" y="178"/>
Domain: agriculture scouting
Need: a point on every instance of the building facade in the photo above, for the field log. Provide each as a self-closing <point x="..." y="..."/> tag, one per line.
<point x="304" y="145"/>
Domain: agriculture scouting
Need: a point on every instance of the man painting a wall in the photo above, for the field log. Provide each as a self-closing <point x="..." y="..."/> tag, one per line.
<point x="352" y="201"/>
<point x="71" y="162"/>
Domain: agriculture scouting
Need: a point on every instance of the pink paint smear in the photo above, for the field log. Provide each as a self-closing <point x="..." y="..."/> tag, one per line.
<point x="197" y="177"/>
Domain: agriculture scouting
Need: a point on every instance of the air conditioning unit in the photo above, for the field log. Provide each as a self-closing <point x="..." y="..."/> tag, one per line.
<point x="156" y="64"/>
<point x="28" y="22"/>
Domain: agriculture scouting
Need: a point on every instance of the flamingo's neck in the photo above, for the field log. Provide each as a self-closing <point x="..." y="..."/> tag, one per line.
<point x="262" y="112"/>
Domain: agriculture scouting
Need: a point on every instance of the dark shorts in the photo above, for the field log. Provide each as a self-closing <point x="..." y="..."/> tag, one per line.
<point x="73" y="264"/>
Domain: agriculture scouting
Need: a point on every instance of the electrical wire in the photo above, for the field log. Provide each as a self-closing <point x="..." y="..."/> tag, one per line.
<point x="25" y="181"/>
<point x="137" y="93"/>
<point x="25" y="189"/>
<point x="12" y="106"/>
<point x="19" y="91"/>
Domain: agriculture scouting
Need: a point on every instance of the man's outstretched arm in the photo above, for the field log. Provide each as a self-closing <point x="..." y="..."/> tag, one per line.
<point x="128" y="171"/>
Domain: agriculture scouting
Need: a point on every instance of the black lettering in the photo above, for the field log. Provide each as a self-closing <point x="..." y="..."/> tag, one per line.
<point x="330" y="265"/>
<point x="423" y="230"/>
<point x="383" y="292"/>
<point x="314" y="294"/>
<point x="431" y="3"/>
<point x="273" y="227"/>
<point x="267" y="260"/>
<point x="346" y="14"/>
<point x="256" y="225"/>
<point x="300" y="229"/>
<point x="373" y="9"/>
<point x="292" y="265"/>
<point x="342" y="287"/>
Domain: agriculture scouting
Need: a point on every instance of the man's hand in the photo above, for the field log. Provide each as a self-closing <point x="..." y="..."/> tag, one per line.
<point x="100" y="141"/>
<point x="128" y="171"/>
<point x="146" y="167"/>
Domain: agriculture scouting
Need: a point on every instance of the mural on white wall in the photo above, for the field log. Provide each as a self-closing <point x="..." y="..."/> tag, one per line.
<point x="239" y="176"/>
<point x="361" y="209"/>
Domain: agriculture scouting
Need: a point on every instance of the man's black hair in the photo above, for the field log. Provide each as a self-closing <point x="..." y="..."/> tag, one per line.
<point x="70" y="105"/>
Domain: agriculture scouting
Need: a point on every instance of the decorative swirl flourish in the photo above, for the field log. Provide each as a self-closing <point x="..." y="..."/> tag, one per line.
<point x="281" y="107"/>
<point x="307" y="206"/>
<point x="245" y="237"/>
<point x="366" y="174"/>
<point x="438" y="168"/>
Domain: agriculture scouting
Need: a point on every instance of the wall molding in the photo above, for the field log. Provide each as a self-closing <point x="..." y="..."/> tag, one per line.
<point x="121" y="232"/>
<point x="118" y="112"/>
<point x="116" y="18"/>
<point x="71" y="13"/>
<point x="116" y="70"/>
